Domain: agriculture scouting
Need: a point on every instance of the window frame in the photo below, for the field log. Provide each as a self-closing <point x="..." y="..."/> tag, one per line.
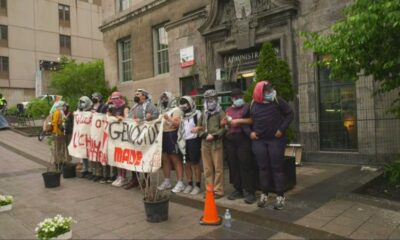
<point x="121" y="5"/>
<point x="64" y="18"/>
<point x="3" y="7"/>
<point x="125" y="67"/>
<point x="160" y="55"/>
<point x="3" y="32"/>
<point x="65" y="44"/>
<point x="4" y="72"/>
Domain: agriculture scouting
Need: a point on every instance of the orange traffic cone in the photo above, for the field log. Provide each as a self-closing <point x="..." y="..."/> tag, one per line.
<point x="210" y="216"/>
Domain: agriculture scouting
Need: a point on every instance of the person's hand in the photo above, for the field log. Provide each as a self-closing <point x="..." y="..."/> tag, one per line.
<point x="120" y="119"/>
<point x="210" y="137"/>
<point x="195" y="130"/>
<point x="234" y="123"/>
<point x="253" y="136"/>
<point x="278" y="134"/>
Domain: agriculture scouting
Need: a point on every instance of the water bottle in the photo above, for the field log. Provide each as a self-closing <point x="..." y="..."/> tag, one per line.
<point x="227" y="219"/>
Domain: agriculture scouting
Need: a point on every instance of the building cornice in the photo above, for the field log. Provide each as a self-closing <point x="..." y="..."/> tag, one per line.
<point x="202" y="13"/>
<point x="134" y="13"/>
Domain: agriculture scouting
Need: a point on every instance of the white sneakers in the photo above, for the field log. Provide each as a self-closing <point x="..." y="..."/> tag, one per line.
<point x="166" y="184"/>
<point x="188" y="189"/>
<point x="120" y="181"/>
<point x="195" y="190"/>
<point x="179" y="187"/>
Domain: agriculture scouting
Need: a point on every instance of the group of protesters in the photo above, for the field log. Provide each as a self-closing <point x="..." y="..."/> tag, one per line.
<point x="250" y="136"/>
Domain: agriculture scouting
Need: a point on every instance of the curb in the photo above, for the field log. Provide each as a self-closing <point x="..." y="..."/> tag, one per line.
<point x="370" y="200"/>
<point x="26" y="155"/>
<point x="263" y="221"/>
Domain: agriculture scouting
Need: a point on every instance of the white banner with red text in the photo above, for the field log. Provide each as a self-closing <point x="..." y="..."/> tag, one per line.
<point x="125" y="144"/>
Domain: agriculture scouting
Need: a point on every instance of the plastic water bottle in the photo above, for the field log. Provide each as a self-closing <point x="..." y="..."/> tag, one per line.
<point x="227" y="219"/>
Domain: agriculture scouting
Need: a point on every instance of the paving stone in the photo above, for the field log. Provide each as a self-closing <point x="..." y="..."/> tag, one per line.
<point x="282" y="235"/>
<point x="377" y="229"/>
<point x="338" y="229"/>
<point x="395" y="234"/>
<point x="348" y="222"/>
<point x="314" y="221"/>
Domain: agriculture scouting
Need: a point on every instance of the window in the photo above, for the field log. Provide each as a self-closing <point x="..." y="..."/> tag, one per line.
<point x="3" y="67"/>
<point x="338" y="113"/>
<point x="160" y="40"/>
<point x="3" y="7"/>
<point x="124" y="4"/>
<point x="3" y="36"/>
<point x="65" y="45"/>
<point x="124" y="59"/>
<point x="64" y="15"/>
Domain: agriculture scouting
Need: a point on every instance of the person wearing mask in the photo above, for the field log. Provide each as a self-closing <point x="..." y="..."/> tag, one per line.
<point x="68" y="128"/>
<point x="117" y="108"/>
<point x="172" y="115"/>
<point x="85" y="104"/>
<point x="57" y="119"/>
<point x="142" y="110"/>
<point x="270" y="117"/>
<point x="191" y="125"/>
<point x="237" y="147"/>
<point x="99" y="171"/>
<point x="211" y="146"/>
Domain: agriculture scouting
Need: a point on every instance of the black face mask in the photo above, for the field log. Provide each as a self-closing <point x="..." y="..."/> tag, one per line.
<point x="95" y="100"/>
<point x="136" y="99"/>
<point x="165" y="104"/>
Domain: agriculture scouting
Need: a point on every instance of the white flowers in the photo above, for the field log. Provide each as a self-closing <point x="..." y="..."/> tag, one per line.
<point x="6" y="200"/>
<point x="52" y="227"/>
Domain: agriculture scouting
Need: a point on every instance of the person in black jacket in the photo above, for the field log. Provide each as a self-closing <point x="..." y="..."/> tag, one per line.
<point x="68" y="128"/>
<point x="270" y="116"/>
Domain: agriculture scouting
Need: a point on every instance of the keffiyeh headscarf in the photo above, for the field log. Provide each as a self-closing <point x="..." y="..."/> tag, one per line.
<point x="171" y="102"/>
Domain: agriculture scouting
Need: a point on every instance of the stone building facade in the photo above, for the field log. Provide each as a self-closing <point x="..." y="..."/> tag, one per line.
<point x="36" y="33"/>
<point x="336" y="121"/>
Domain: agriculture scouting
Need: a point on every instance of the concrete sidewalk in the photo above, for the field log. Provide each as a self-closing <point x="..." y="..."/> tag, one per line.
<point x="318" y="207"/>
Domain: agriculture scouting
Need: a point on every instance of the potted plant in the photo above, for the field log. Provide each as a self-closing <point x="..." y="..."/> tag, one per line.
<point x="58" y="227"/>
<point x="6" y="203"/>
<point x="156" y="201"/>
<point x="53" y="174"/>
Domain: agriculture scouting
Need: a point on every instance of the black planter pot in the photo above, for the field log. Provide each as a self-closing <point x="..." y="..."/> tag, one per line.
<point x="156" y="211"/>
<point x="69" y="171"/>
<point x="51" y="179"/>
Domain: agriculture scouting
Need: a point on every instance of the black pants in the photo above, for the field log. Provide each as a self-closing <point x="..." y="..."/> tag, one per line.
<point x="270" y="159"/>
<point x="242" y="167"/>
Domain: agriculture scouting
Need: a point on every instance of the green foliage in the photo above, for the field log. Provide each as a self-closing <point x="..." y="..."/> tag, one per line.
<point x="275" y="70"/>
<point x="12" y="110"/>
<point x="38" y="108"/>
<point x="53" y="227"/>
<point x="391" y="173"/>
<point x="366" y="41"/>
<point x="73" y="80"/>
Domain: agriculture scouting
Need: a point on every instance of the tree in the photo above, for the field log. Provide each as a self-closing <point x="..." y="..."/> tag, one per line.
<point x="275" y="70"/>
<point x="73" y="80"/>
<point x="366" y="41"/>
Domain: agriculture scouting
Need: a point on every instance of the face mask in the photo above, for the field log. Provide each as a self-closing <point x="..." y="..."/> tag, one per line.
<point x="211" y="105"/>
<point x="136" y="99"/>
<point x="269" y="97"/>
<point x="165" y="104"/>
<point x="95" y="100"/>
<point x="185" y="108"/>
<point x="238" y="102"/>
<point x="82" y="105"/>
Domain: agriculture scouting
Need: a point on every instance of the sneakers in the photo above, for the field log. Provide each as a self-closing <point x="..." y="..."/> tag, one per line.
<point x="132" y="184"/>
<point x="111" y="179"/>
<point x="165" y="185"/>
<point x="179" y="187"/>
<point x="195" y="190"/>
<point x="96" y="178"/>
<point x="103" y="180"/>
<point x="235" y="195"/>
<point x="121" y="181"/>
<point x="84" y="174"/>
<point x="280" y="203"/>
<point x="262" y="202"/>
<point x="188" y="189"/>
<point x="250" y="198"/>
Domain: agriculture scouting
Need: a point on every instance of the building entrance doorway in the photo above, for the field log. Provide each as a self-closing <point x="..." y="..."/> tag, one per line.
<point x="244" y="79"/>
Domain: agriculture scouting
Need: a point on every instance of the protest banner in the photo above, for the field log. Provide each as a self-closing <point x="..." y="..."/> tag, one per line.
<point x="80" y="134"/>
<point x="96" y="144"/>
<point x="135" y="146"/>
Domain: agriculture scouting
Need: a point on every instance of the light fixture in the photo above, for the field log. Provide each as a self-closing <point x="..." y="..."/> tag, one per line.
<point x="249" y="74"/>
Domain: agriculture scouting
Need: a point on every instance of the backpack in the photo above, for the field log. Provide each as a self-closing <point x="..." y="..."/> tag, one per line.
<point x="47" y="124"/>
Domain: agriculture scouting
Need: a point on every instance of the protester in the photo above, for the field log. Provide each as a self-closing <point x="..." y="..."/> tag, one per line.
<point x="59" y="147"/>
<point x="211" y="146"/>
<point x="237" y="145"/>
<point x="117" y="108"/>
<point x="270" y="116"/>
<point x="170" y="148"/>
<point x="142" y="110"/>
<point x="85" y="104"/>
<point x="68" y="128"/>
<point x="100" y="172"/>
<point x="191" y="125"/>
